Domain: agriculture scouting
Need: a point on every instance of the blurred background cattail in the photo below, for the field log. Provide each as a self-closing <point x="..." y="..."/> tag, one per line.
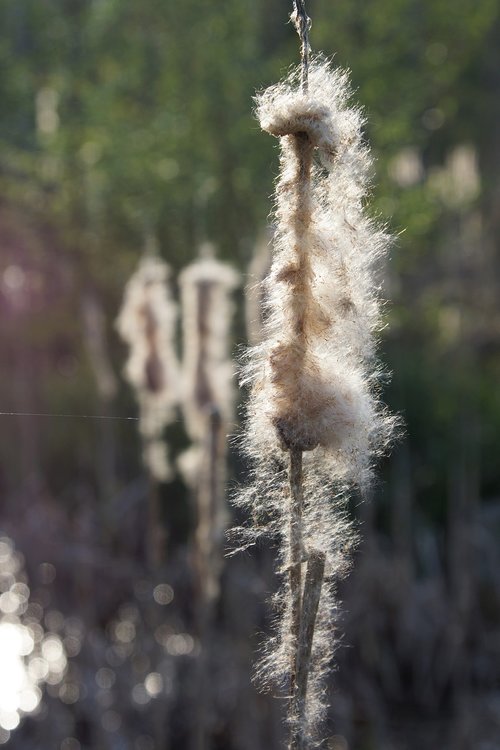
<point x="207" y="367"/>
<point x="147" y="322"/>
<point x="208" y="406"/>
<point x="207" y="402"/>
<point x="97" y="344"/>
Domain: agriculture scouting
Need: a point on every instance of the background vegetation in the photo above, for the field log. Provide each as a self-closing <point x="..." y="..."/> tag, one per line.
<point x="125" y="121"/>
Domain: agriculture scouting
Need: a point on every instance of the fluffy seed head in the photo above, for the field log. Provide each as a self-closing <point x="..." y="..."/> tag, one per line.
<point x="147" y="324"/>
<point x="207" y="402"/>
<point x="207" y="368"/>
<point x="313" y="377"/>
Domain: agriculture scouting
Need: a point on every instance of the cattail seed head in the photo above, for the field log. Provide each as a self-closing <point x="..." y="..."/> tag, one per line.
<point x="206" y="286"/>
<point x="313" y="377"/>
<point x="208" y="398"/>
<point x="146" y="322"/>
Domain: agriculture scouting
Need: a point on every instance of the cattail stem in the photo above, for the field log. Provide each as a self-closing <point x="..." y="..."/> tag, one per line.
<point x="300" y="651"/>
<point x="304" y="604"/>
<point x="302" y="24"/>
<point x="295" y="563"/>
<point x="312" y="377"/>
<point x="156" y="533"/>
<point x="309" y="609"/>
<point x="208" y="566"/>
<point x="209" y="498"/>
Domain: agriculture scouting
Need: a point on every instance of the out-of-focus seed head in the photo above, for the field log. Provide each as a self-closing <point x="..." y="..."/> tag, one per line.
<point x="147" y="323"/>
<point x="207" y="368"/>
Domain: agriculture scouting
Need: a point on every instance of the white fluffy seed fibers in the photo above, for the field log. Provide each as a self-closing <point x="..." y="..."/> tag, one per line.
<point x="313" y="378"/>
<point x="147" y="323"/>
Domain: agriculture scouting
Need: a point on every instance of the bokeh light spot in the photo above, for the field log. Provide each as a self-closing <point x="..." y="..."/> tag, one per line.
<point x="153" y="684"/>
<point x="163" y="593"/>
<point x="180" y="644"/>
<point x="125" y="631"/>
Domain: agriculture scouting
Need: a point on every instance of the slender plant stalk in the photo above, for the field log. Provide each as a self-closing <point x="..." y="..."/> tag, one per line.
<point x="296" y="554"/>
<point x="304" y="602"/>
<point x="313" y="376"/>
<point x="302" y="23"/>
<point x="156" y="533"/>
<point x="207" y="405"/>
<point x="147" y="322"/>
<point x="208" y="552"/>
<point x="309" y="609"/>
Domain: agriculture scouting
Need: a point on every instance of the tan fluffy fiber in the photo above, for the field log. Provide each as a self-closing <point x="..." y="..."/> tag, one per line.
<point x="313" y="379"/>
<point x="207" y="368"/>
<point x="146" y="323"/>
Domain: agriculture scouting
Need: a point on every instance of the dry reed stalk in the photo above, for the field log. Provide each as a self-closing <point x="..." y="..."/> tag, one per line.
<point x="314" y="421"/>
<point x="207" y="402"/>
<point x="296" y="557"/>
<point x="309" y="609"/>
<point x="208" y="409"/>
<point x="207" y="368"/>
<point x="146" y="322"/>
<point x="94" y="327"/>
<point x="95" y="336"/>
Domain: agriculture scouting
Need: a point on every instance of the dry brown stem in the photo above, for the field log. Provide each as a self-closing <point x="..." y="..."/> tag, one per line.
<point x="296" y="545"/>
<point x="304" y="601"/>
<point x="309" y="609"/>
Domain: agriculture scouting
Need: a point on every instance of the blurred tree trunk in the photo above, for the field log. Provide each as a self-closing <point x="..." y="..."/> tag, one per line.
<point x="94" y="330"/>
<point x="26" y="402"/>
